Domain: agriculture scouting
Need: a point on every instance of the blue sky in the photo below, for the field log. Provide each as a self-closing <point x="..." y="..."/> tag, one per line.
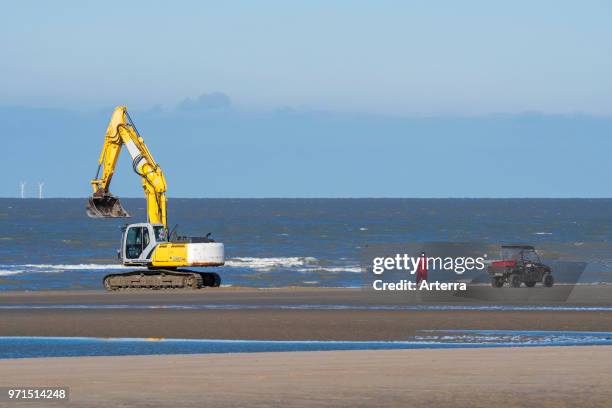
<point x="326" y="95"/>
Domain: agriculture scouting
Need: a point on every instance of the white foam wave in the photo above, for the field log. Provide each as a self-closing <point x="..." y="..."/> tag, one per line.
<point x="267" y="264"/>
<point x="71" y="267"/>
<point x="9" y="270"/>
<point x="543" y="233"/>
<point x="334" y="269"/>
<point x="298" y="263"/>
<point x="4" y="272"/>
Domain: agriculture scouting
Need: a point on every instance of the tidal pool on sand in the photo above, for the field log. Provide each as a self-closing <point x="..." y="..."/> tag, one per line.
<point x="27" y="347"/>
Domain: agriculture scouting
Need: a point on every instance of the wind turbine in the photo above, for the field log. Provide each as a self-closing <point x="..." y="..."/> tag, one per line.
<point x="40" y="189"/>
<point x="22" y="184"/>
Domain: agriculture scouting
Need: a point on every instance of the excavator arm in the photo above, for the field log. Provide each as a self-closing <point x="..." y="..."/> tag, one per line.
<point x="121" y="131"/>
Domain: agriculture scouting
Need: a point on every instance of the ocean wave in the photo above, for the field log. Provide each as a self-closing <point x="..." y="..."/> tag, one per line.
<point x="332" y="269"/>
<point x="268" y="264"/>
<point x="302" y="264"/>
<point x="71" y="267"/>
<point x="5" y="272"/>
<point x="9" y="270"/>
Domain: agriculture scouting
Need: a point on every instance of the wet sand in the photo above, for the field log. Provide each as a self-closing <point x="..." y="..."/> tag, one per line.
<point x="500" y="377"/>
<point x="264" y="323"/>
<point x="558" y="295"/>
<point x="284" y="324"/>
<point x="504" y="377"/>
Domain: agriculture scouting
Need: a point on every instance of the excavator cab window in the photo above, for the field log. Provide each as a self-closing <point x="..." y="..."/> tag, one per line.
<point x="134" y="242"/>
<point x="161" y="234"/>
<point x="145" y="238"/>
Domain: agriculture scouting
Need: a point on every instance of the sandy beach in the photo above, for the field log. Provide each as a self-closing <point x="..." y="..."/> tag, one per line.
<point x="264" y="322"/>
<point x="503" y="377"/>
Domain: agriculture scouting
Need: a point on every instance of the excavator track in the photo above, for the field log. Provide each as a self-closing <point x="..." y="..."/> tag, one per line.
<point x="156" y="279"/>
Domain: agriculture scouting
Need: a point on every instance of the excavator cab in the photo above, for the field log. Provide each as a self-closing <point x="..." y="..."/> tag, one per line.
<point x="139" y="241"/>
<point x="105" y="206"/>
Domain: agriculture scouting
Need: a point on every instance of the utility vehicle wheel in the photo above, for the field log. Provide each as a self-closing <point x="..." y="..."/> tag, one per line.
<point x="530" y="284"/>
<point x="497" y="282"/>
<point x="515" y="281"/>
<point x="548" y="280"/>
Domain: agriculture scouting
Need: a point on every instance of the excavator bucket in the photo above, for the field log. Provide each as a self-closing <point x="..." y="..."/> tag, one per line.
<point x="106" y="206"/>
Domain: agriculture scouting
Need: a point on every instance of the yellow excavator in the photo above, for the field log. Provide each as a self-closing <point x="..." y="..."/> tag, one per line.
<point x="148" y="244"/>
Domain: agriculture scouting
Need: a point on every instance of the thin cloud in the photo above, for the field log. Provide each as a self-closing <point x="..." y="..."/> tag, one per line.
<point x="206" y="101"/>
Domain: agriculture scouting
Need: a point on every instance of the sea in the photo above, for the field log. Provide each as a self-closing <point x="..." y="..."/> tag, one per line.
<point x="36" y="347"/>
<point x="50" y="244"/>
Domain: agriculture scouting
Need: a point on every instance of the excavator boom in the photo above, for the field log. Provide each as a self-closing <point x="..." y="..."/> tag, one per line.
<point x="122" y="132"/>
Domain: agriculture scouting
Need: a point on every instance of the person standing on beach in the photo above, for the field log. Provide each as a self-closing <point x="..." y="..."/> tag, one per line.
<point x="421" y="274"/>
